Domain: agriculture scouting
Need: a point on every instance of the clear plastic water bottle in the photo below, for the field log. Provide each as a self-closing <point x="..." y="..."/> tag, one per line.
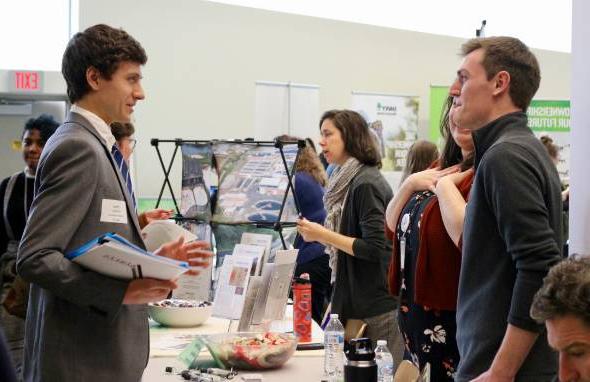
<point x="334" y="349"/>
<point x="384" y="361"/>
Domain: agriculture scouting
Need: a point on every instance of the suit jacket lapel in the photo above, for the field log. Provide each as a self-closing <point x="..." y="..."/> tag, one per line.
<point x="83" y="122"/>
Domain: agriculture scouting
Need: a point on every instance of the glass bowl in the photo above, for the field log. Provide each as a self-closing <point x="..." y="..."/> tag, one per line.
<point x="252" y="351"/>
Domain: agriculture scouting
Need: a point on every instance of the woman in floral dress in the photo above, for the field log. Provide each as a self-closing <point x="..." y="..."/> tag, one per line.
<point x="425" y="221"/>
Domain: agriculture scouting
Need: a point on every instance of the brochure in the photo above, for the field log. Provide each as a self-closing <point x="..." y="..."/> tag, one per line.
<point x="196" y="287"/>
<point x="249" y="301"/>
<point x="231" y="288"/>
<point x="161" y="232"/>
<point x="254" y="252"/>
<point x="274" y="291"/>
<point x="262" y="240"/>
<point x="114" y="256"/>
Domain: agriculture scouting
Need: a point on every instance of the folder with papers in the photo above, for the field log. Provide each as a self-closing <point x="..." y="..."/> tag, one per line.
<point x="114" y="256"/>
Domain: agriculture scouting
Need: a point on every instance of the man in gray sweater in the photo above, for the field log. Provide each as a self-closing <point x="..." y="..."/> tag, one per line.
<point x="512" y="230"/>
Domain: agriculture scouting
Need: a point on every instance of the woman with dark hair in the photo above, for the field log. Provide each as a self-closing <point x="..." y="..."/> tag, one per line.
<point x="426" y="216"/>
<point x="353" y="231"/>
<point x="310" y="180"/>
<point x="16" y="196"/>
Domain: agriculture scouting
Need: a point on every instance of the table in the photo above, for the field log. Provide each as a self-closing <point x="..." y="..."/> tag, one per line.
<point x="300" y="368"/>
<point x="167" y="343"/>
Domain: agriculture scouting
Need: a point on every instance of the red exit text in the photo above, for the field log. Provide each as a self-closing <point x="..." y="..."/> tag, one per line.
<point x="27" y="80"/>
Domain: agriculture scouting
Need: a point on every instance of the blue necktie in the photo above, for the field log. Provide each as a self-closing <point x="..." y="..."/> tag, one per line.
<point x="122" y="165"/>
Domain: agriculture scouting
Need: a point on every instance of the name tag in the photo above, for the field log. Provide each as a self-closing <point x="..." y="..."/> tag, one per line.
<point x="113" y="211"/>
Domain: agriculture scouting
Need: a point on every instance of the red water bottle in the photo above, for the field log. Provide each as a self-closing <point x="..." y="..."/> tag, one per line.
<point x="302" y="308"/>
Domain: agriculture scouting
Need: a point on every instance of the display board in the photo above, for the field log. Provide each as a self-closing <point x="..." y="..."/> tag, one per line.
<point x="198" y="179"/>
<point x="286" y="108"/>
<point x="233" y="187"/>
<point x="552" y="118"/>
<point x="394" y="121"/>
<point x="253" y="183"/>
<point x="545" y="117"/>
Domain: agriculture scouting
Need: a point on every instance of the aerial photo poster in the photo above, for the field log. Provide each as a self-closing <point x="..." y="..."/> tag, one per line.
<point x="252" y="184"/>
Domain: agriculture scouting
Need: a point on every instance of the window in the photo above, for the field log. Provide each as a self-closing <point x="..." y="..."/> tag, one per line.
<point x="34" y="33"/>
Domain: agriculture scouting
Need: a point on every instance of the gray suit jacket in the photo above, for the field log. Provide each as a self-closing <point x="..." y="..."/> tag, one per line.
<point x="77" y="328"/>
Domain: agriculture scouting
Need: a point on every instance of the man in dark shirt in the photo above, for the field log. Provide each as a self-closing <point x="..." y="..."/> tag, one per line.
<point x="563" y="305"/>
<point x="512" y="230"/>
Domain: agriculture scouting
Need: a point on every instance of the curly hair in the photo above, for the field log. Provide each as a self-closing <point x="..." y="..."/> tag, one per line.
<point x="565" y="291"/>
<point x="46" y="125"/>
<point x="101" y="47"/>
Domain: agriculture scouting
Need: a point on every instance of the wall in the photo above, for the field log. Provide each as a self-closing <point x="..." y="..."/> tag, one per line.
<point x="204" y="59"/>
<point x="580" y="135"/>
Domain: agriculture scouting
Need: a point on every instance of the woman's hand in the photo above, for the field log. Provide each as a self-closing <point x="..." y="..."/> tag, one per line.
<point x="427" y="179"/>
<point x="196" y="253"/>
<point x="458" y="177"/>
<point x="452" y="204"/>
<point x="310" y="231"/>
<point x="419" y="181"/>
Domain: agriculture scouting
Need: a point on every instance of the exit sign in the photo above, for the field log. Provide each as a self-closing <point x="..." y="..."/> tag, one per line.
<point x="26" y="81"/>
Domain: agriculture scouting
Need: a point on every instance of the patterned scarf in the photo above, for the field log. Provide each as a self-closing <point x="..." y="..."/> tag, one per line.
<point x="334" y="199"/>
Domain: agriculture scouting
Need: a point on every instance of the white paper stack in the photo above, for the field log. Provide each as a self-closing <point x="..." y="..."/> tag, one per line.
<point x="114" y="256"/>
<point x="160" y="232"/>
<point x="190" y="287"/>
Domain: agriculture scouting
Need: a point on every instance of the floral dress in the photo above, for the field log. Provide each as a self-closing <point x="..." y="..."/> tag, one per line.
<point x="429" y="334"/>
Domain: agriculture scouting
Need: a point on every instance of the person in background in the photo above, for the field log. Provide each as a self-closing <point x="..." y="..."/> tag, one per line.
<point x="16" y="196"/>
<point x="123" y="133"/>
<point x="551" y="148"/>
<point x="353" y="231"/>
<point x="553" y="151"/>
<point x="512" y="228"/>
<point x="427" y="215"/>
<point x="420" y="156"/>
<point x="310" y="180"/>
<point x="323" y="161"/>
<point x="563" y="305"/>
<point x="83" y="325"/>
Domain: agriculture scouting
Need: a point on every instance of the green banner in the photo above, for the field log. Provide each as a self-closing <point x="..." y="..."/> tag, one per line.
<point x="146" y="204"/>
<point x="549" y="116"/>
<point x="438" y="97"/>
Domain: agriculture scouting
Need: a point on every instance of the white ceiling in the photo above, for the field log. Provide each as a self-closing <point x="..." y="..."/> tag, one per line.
<point x="544" y="24"/>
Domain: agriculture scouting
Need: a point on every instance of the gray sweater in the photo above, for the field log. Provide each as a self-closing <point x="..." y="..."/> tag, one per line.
<point x="512" y="236"/>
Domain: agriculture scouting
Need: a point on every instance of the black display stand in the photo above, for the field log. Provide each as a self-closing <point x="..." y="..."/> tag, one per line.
<point x="279" y="144"/>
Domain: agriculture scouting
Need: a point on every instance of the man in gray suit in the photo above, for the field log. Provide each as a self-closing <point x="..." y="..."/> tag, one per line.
<point x="81" y="325"/>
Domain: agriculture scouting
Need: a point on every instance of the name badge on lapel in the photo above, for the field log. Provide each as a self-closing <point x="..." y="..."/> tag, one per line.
<point x="113" y="211"/>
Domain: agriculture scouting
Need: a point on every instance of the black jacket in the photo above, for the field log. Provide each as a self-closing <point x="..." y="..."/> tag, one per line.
<point x="512" y="236"/>
<point x="360" y="290"/>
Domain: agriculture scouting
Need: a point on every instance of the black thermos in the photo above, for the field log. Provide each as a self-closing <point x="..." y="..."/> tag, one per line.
<point x="360" y="361"/>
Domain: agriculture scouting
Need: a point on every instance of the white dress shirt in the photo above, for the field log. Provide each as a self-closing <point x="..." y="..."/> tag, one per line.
<point x="101" y="126"/>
